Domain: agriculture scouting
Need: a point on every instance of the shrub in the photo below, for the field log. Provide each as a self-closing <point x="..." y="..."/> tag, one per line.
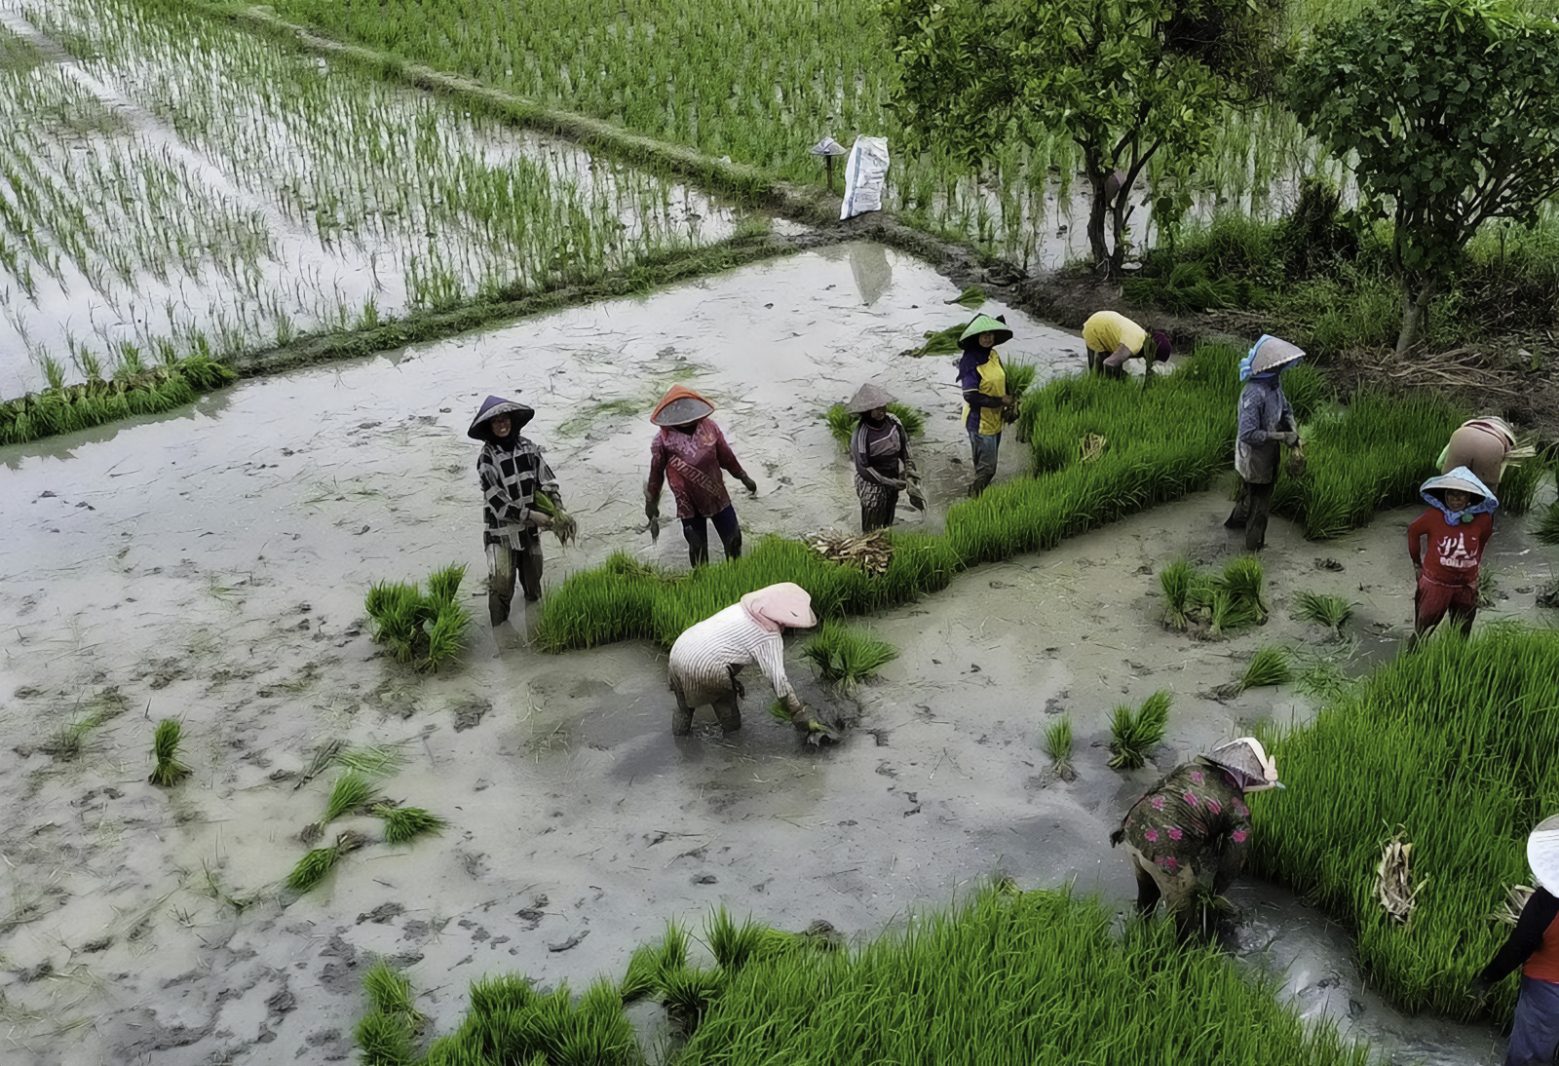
<point x="1134" y="733"/>
<point x="427" y="631"/>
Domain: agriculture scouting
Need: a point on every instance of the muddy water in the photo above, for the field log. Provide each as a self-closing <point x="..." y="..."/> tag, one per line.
<point x="211" y="567"/>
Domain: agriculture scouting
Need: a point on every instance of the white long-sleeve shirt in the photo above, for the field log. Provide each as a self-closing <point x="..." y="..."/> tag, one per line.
<point x="702" y="656"/>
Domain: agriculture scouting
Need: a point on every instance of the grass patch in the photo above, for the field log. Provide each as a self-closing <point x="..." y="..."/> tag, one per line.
<point x="1214" y="604"/>
<point x="1058" y="747"/>
<point x="1134" y="733"/>
<point x="426" y="630"/>
<point x="847" y="655"/>
<point x="1007" y="978"/>
<point x="841" y="423"/>
<point x="1323" y="609"/>
<point x="69" y="408"/>
<point x="168" y="770"/>
<point x="1452" y="744"/>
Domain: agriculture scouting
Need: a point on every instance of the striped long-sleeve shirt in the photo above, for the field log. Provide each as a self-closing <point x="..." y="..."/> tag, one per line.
<point x="705" y="653"/>
<point x="510" y="476"/>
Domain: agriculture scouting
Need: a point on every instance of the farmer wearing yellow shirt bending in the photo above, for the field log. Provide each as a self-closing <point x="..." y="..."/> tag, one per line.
<point x="1112" y="338"/>
<point x="987" y="403"/>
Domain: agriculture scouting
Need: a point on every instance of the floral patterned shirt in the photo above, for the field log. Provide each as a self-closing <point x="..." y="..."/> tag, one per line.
<point x="1195" y="817"/>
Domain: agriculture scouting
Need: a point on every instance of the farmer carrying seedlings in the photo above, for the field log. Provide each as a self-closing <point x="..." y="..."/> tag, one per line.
<point x="513" y="475"/>
<point x="1112" y="338"/>
<point x="1484" y="446"/>
<point x="708" y="656"/>
<point x="987" y="403"/>
<point x="1534" y="946"/>
<point x="690" y="452"/>
<point x="1265" y="421"/>
<point x="879" y="448"/>
<point x="1187" y="837"/>
<point x="1457" y="525"/>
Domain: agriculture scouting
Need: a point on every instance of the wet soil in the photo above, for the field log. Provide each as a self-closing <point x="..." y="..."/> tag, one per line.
<point x="210" y="566"/>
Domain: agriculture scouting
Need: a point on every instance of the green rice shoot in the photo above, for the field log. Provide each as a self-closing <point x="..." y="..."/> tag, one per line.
<point x="1134" y="733"/>
<point x="1269" y="667"/>
<point x="425" y="630"/>
<point x="1324" y="609"/>
<point x="352" y="792"/>
<point x="1212" y="604"/>
<point x="1058" y="746"/>
<point x="405" y="824"/>
<point x="369" y="760"/>
<point x="1547" y="528"/>
<point x="317" y="864"/>
<point x="847" y="655"/>
<point x="841" y="423"/>
<point x="168" y="770"/>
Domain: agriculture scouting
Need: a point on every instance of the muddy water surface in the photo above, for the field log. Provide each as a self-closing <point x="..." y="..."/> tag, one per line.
<point x="211" y="567"/>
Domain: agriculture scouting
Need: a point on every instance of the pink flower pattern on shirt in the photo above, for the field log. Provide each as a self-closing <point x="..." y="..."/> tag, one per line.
<point x="1193" y="820"/>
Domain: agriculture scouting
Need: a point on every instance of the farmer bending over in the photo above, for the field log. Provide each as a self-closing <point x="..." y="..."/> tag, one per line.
<point x="690" y="452"/>
<point x="1112" y="338"/>
<point x="987" y="404"/>
<point x="1190" y="831"/>
<point x="1482" y="445"/>
<point x="512" y="472"/>
<point x="708" y="656"/>
<point x="1265" y="421"/>
<point x="1457" y="526"/>
<point x="1534" y="947"/>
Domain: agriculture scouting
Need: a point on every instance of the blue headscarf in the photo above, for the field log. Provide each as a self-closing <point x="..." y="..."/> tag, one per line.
<point x="1247" y="365"/>
<point x="1469" y="483"/>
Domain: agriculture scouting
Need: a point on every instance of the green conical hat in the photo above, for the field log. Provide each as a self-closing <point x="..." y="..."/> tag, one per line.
<point x="986" y="324"/>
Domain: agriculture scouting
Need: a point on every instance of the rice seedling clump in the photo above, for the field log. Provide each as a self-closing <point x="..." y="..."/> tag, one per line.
<point x="1134" y="733"/>
<point x="1268" y="667"/>
<point x="168" y="770"/>
<point x="1452" y="743"/>
<point x="1214" y="604"/>
<point x="847" y="655"/>
<point x="426" y="630"/>
<point x="1547" y="529"/>
<point x="1058" y="747"/>
<point x="841" y="423"/>
<point x="1324" y="609"/>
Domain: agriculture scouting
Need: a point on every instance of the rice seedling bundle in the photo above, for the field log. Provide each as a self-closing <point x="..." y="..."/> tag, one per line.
<point x="405" y="824"/>
<point x="351" y="792"/>
<point x="1453" y="744"/>
<point x="1135" y="733"/>
<point x="1323" y="609"/>
<point x="841" y="423"/>
<point x="1007" y="978"/>
<point x="1214" y="603"/>
<point x="425" y="630"/>
<point x="1547" y="529"/>
<point x="316" y="865"/>
<point x="734" y="946"/>
<point x="169" y="770"/>
<point x="846" y="655"/>
<point x="1268" y="667"/>
<point x="650" y="963"/>
<point x="1058" y="747"/>
<point x="510" y="1022"/>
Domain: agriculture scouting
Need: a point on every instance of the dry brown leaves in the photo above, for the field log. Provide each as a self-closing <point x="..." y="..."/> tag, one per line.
<point x="871" y="552"/>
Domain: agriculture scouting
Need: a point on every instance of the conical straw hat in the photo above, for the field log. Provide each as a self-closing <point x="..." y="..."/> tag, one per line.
<point x="1271" y="352"/>
<point x="1247" y="759"/>
<point x="680" y="406"/>
<point x="986" y="324"/>
<point x="1543" y="853"/>
<point x="785" y="604"/>
<point x="1459" y="480"/>
<point x="868" y="397"/>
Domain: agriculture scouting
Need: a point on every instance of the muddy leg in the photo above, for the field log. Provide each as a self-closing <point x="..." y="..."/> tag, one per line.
<point x="985" y="448"/>
<point x="696" y="532"/>
<point x="1147" y="889"/>
<point x="529" y="564"/>
<point x="729" y="531"/>
<point x="500" y="582"/>
<point x="682" y="717"/>
<point x="729" y="712"/>
<point x="1256" y="524"/>
<point x="1241" y="512"/>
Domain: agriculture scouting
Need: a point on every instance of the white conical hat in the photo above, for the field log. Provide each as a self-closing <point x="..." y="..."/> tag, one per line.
<point x="1247" y="759"/>
<point x="1543" y="853"/>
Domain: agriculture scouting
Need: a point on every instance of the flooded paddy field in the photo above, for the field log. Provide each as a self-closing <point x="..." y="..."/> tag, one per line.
<point x="211" y="567"/>
<point x="151" y="206"/>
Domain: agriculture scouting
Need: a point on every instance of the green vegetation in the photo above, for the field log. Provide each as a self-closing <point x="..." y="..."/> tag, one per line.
<point x="316" y="865"/>
<point x="405" y="824"/>
<point x="1330" y="611"/>
<point x="370" y="761"/>
<point x="169" y="771"/>
<point x="1268" y="667"/>
<point x="649" y="965"/>
<point x="1450" y="113"/>
<point x="847" y="655"/>
<point x="1214" y="604"/>
<point x="425" y="630"/>
<point x="66" y="408"/>
<point x="385" y="1035"/>
<point x="1058" y="747"/>
<point x="1450" y="743"/>
<point x="351" y="792"/>
<point x="1547" y="529"/>
<point x="1135" y="733"/>
<point x="841" y="423"/>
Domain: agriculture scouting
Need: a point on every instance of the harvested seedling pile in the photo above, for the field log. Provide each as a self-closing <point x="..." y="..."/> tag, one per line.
<point x="317" y="864"/>
<point x="1058" y="746"/>
<point x="405" y="824"/>
<point x="1453" y="742"/>
<point x="871" y="552"/>
<point x="847" y="655"/>
<point x="169" y="770"/>
<point x="1269" y="666"/>
<point x="1135" y="733"/>
<point x="426" y="631"/>
<point x="1214" y="605"/>
<point x="841" y="423"/>
<point x="1330" y="611"/>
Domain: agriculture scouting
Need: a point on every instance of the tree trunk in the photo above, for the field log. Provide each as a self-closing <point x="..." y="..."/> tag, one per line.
<point x="1415" y="315"/>
<point x="1098" y="208"/>
<point x="1120" y="209"/>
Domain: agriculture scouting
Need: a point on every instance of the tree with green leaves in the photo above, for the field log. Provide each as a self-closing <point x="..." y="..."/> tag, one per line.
<point x="1449" y="110"/>
<point x="1126" y="80"/>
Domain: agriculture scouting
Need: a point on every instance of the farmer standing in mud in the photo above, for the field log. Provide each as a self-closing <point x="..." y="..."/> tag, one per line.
<point x="1265" y="421"/>
<point x="1188" y="835"/>
<point x="879" y="450"/>
<point x="1111" y="338"/>
<point x="1533" y="946"/>
<point x="987" y="403"/>
<point x="708" y="656"/>
<point x="512" y="472"/>
<point x="1483" y="445"/>
<point x="690" y="452"/>
<point x="1457" y="527"/>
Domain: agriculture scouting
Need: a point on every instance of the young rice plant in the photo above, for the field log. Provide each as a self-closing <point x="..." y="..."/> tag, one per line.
<point x="846" y="655"/>
<point x="169" y="770"/>
<point x="1135" y="733"/>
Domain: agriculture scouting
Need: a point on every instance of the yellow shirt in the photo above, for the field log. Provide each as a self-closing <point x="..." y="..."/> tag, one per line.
<point x="1106" y="331"/>
<point x="990" y="378"/>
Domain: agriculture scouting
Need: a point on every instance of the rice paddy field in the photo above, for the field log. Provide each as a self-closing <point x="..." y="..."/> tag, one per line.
<point x="279" y="791"/>
<point x="175" y="185"/>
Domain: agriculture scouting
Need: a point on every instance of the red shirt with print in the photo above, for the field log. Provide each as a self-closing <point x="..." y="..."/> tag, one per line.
<point x="1451" y="553"/>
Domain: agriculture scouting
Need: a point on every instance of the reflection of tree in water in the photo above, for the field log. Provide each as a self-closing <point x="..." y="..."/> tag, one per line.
<point x="873" y="273"/>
